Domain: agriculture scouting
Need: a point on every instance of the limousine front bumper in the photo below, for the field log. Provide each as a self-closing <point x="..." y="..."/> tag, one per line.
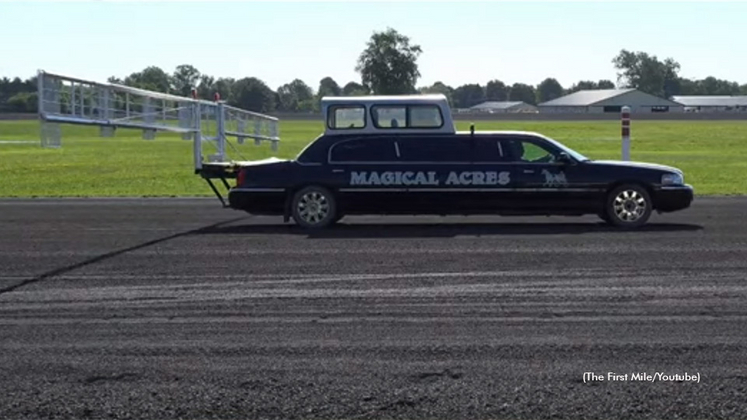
<point x="673" y="197"/>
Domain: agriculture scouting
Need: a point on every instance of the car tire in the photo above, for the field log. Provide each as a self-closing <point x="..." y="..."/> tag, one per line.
<point x="314" y="207"/>
<point x="628" y="206"/>
<point x="605" y="218"/>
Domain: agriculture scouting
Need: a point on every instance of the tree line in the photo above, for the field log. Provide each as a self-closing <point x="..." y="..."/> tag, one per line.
<point x="250" y="93"/>
<point x="387" y="66"/>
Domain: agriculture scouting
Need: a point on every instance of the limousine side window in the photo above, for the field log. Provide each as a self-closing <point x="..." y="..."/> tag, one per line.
<point x="349" y="116"/>
<point x="363" y="150"/>
<point x="489" y="150"/>
<point x="528" y="152"/>
<point x="434" y="149"/>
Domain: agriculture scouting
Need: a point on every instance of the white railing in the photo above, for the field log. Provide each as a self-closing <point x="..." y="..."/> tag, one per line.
<point x="68" y="100"/>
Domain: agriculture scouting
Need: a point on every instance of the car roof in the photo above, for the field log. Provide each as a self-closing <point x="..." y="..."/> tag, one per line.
<point x="368" y="102"/>
<point x="389" y="99"/>
<point x="502" y="133"/>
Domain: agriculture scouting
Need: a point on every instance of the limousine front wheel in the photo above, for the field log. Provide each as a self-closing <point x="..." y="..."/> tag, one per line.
<point x="629" y="206"/>
<point x="314" y="207"/>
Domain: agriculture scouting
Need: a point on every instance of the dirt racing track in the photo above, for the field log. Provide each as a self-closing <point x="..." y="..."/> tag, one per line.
<point x="180" y="309"/>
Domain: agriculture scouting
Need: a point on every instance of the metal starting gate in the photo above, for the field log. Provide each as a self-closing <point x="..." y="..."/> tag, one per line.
<point x="209" y="125"/>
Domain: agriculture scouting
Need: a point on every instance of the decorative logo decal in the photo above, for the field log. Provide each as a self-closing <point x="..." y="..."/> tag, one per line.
<point x="429" y="178"/>
<point x="554" y="180"/>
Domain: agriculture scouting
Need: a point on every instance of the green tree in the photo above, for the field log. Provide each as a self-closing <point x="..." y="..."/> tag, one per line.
<point x="496" y="90"/>
<point x="468" y="95"/>
<point x="23" y="102"/>
<point x="185" y="77"/>
<point x="708" y="86"/>
<point x="582" y="85"/>
<point x="224" y="87"/>
<point x="548" y="90"/>
<point x="306" y="101"/>
<point x="388" y="65"/>
<point x="743" y="89"/>
<point x="205" y="88"/>
<point x="713" y="86"/>
<point x="522" y="92"/>
<point x="590" y="85"/>
<point x="291" y="95"/>
<point x="252" y="94"/>
<point x="689" y="87"/>
<point x="328" y="87"/>
<point x="441" y="88"/>
<point x="354" y="89"/>
<point x="647" y="73"/>
<point x="301" y="90"/>
<point x="151" y="78"/>
<point x="10" y="88"/>
<point x="284" y="99"/>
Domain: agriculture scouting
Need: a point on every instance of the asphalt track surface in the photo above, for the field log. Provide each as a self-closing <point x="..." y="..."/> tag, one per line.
<point x="180" y="309"/>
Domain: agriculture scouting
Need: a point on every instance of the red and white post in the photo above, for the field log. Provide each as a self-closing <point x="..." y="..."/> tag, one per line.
<point x="625" y="119"/>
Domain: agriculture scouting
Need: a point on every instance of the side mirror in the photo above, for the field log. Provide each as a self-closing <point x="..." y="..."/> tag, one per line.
<point x="565" y="159"/>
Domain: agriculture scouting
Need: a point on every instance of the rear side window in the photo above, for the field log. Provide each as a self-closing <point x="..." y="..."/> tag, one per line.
<point x="425" y="116"/>
<point x="406" y="116"/>
<point x="489" y="150"/>
<point x="346" y="117"/>
<point x="364" y="150"/>
<point x="389" y="116"/>
<point x="434" y="149"/>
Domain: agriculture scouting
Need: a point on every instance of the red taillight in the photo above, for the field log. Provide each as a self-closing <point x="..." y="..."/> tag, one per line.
<point x="240" y="178"/>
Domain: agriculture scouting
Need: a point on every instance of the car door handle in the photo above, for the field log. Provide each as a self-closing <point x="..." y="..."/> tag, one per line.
<point x="338" y="170"/>
<point x="528" y="171"/>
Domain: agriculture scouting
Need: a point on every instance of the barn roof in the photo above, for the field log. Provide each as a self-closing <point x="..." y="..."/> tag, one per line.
<point x="496" y="105"/>
<point x="586" y="97"/>
<point x="705" y="100"/>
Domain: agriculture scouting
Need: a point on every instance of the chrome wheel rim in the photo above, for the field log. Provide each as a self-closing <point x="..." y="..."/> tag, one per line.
<point x="313" y="207"/>
<point x="629" y="205"/>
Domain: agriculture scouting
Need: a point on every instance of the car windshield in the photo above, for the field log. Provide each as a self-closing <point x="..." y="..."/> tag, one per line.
<point x="576" y="155"/>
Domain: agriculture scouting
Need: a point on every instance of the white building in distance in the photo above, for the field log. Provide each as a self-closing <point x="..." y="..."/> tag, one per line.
<point x="494" y="107"/>
<point x="704" y="103"/>
<point x="609" y="100"/>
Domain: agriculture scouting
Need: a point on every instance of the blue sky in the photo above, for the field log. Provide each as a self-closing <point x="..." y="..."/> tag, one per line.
<point x="463" y="42"/>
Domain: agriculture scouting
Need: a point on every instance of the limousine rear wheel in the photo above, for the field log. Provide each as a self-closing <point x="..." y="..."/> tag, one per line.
<point x="314" y="207"/>
<point x="629" y="206"/>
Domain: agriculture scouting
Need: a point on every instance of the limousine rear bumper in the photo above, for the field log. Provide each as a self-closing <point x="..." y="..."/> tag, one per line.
<point x="266" y="201"/>
<point x="673" y="198"/>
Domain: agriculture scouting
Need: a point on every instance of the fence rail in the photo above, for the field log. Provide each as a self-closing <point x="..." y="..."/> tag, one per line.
<point x="70" y="100"/>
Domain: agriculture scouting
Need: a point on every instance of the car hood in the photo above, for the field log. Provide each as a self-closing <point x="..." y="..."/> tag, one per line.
<point x="640" y="165"/>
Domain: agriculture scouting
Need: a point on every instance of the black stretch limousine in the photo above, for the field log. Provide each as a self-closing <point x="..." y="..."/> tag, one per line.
<point x="402" y="155"/>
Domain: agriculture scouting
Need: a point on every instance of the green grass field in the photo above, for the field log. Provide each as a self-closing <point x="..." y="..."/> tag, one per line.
<point x="713" y="155"/>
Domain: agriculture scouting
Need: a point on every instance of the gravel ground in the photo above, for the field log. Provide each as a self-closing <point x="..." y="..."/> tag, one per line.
<point x="170" y="308"/>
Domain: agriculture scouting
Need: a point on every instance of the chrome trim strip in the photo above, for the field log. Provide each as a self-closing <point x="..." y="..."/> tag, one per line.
<point x="674" y="187"/>
<point x="469" y="189"/>
<point x="258" y="189"/>
<point x="442" y="163"/>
